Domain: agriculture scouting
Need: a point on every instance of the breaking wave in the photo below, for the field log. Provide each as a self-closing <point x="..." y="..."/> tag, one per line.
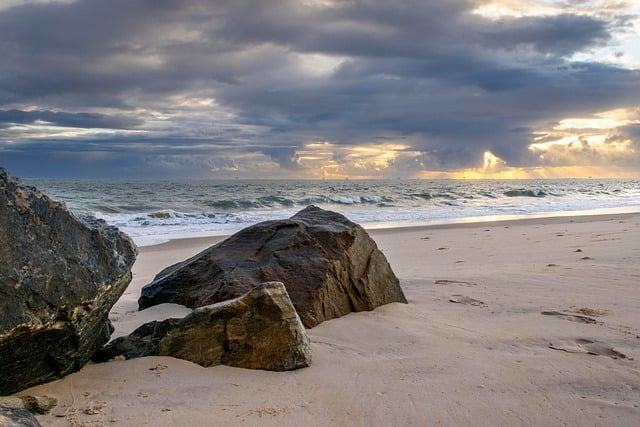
<point x="175" y="208"/>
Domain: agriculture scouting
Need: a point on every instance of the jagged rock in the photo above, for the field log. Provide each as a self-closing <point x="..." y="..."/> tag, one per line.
<point x="59" y="277"/>
<point x="329" y="265"/>
<point x="34" y="404"/>
<point x="260" y="330"/>
<point x="16" y="417"/>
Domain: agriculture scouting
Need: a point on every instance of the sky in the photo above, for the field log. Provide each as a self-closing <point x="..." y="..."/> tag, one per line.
<point x="320" y="88"/>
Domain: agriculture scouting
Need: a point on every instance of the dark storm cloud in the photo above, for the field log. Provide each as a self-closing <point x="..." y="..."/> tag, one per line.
<point x="284" y="156"/>
<point x="456" y="83"/>
<point x="80" y="120"/>
<point x="559" y="35"/>
<point x="629" y="133"/>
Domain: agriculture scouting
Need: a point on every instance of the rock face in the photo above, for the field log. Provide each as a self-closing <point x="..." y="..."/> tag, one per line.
<point x="16" y="417"/>
<point x="59" y="277"/>
<point x="329" y="265"/>
<point x="260" y="330"/>
<point x="33" y="404"/>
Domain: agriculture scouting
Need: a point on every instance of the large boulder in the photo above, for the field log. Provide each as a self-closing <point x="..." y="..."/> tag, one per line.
<point x="260" y="330"/>
<point x="329" y="265"/>
<point x="17" y="417"/>
<point x="59" y="277"/>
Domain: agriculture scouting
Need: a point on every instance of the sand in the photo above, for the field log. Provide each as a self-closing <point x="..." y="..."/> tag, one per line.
<point x="530" y="322"/>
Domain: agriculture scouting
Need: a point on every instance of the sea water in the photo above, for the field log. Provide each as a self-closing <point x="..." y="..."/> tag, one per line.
<point x="154" y="211"/>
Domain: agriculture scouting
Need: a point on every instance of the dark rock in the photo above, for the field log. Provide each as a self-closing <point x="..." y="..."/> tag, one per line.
<point x="59" y="277"/>
<point x="329" y="265"/>
<point x="260" y="330"/>
<point x="142" y="342"/>
<point x="16" y="417"/>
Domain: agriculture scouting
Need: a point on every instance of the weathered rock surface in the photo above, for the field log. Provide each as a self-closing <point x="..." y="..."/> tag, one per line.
<point x="16" y="417"/>
<point x="329" y="265"/>
<point x="59" y="277"/>
<point x="33" y="404"/>
<point x="260" y="330"/>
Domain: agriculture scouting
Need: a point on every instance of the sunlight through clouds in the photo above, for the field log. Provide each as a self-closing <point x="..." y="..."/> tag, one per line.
<point x="493" y="167"/>
<point x="318" y="64"/>
<point x="595" y="131"/>
<point x="329" y="160"/>
<point x="592" y="144"/>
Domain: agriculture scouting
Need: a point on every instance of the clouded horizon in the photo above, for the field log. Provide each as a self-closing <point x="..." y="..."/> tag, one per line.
<point x="320" y="88"/>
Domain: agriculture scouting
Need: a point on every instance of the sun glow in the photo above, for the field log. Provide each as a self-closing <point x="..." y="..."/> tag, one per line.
<point x="602" y="145"/>
<point x="493" y="167"/>
<point x="496" y="10"/>
<point x="325" y="159"/>
<point x="602" y="133"/>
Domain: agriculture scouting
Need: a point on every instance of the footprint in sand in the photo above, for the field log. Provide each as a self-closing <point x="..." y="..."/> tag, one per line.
<point x="462" y="299"/>
<point x="588" y="346"/>
<point x="574" y="317"/>
<point x="587" y="311"/>
<point x="579" y="314"/>
<point x="454" y="282"/>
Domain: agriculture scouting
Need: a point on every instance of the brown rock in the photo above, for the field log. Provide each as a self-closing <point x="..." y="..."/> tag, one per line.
<point x="260" y="330"/>
<point x="329" y="265"/>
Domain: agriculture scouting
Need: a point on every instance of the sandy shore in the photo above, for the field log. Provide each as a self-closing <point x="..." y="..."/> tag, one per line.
<point x="531" y="322"/>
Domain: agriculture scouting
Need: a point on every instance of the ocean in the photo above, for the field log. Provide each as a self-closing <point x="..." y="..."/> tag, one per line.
<point x="154" y="211"/>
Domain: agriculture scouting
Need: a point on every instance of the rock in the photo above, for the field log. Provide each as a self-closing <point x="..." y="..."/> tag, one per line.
<point x="260" y="330"/>
<point x="59" y="277"/>
<point x="15" y="417"/>
<point x="329" y="265"/>
<point x="34" y="404"/>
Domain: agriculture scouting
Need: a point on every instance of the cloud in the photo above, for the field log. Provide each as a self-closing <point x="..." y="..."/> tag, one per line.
<point x="560" y="35"/>
<point x="160" y="82"/>
<point x="606" y="140"/>
<point x="80" y="120"/>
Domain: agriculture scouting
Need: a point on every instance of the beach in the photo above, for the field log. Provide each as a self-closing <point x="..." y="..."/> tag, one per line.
<point x="525" y="322"/>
